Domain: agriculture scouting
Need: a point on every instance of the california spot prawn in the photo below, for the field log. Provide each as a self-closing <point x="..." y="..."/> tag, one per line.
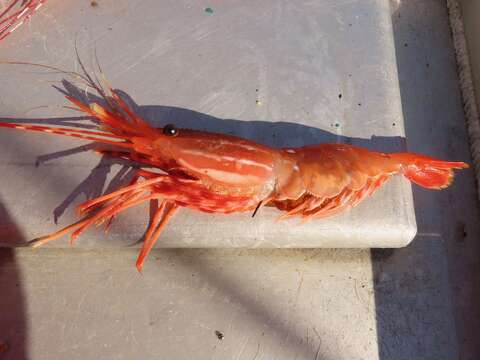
<point x="16" y="13"/>
<point x="218" y="173"/>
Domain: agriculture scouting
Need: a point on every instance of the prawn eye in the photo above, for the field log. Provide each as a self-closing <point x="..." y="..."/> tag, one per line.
<point x="170" y="130"/>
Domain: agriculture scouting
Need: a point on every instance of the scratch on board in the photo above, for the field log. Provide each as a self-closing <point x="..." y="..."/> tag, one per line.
<point x="242" y="349"/>
<point x="258" y="351"/>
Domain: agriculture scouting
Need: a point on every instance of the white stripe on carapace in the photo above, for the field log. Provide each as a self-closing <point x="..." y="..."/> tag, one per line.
<point x="222" y="176"/>
<point x="244" y="146"/>
<point x="226" y="158"/>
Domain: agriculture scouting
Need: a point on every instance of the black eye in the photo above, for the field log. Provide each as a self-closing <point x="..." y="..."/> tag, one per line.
<point x="170" y="130"/>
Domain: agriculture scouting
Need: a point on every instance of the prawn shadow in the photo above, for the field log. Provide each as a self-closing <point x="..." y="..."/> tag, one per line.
<point x="274" y="134"/>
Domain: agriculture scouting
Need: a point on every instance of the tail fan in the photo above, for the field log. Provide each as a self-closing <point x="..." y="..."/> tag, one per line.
<point x="428" y="172"/>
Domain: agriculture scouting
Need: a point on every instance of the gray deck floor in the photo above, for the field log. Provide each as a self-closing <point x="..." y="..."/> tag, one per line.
<point x="421" y="302"/>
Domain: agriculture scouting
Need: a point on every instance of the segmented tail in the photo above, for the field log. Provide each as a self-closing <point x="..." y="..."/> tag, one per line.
<point x="428" y="172"/>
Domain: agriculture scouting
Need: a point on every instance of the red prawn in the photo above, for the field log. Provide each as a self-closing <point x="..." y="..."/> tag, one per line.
<point x="219" y="173"/>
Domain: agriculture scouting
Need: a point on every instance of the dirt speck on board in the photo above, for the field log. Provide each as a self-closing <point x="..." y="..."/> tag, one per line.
<point x="219" y="335"/>
<point x="209" y="10"/>
<point x="93" y="3"/>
